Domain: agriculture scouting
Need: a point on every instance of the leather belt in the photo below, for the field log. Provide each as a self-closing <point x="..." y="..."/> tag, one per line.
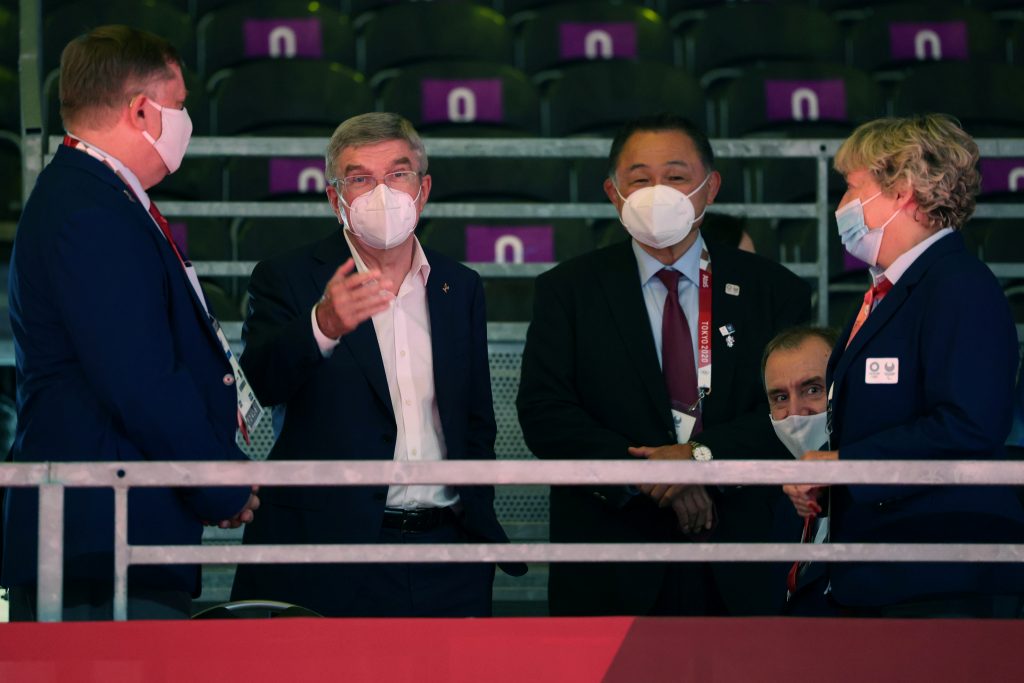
<point x="417" y="520"/>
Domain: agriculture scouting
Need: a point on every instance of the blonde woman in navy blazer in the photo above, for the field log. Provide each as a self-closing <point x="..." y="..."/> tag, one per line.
<point x="925" y="371"/>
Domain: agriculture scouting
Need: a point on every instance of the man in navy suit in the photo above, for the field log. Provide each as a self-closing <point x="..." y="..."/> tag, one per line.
<point x="377" y="350"/>
<point x="602" y="378"/>
<point x="924" y="371"/>
<point x="117" y="356"/>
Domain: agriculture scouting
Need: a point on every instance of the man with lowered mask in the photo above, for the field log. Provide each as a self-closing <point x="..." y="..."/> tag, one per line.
<point x="118" y="357"/>
<point x="651" y="348"/>
<point x="377" y="350"/>
<point x="794" y="367"/>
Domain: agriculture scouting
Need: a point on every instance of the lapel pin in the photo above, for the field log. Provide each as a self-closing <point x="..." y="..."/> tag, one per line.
<point x="445" y="288"/>
<point x="732" y="290"/>
<point x="728" y="331"/>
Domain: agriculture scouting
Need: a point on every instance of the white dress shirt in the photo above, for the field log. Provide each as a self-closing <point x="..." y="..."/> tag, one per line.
<point x="403" y="335"/>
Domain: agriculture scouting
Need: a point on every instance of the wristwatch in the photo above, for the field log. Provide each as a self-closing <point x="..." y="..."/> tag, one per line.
<point x="701" y="453"/>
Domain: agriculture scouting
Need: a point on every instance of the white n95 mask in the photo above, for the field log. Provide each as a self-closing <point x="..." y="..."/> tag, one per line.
<point x="175" y="133"/>
<point x="802" y="433"/>
<point x="382" y="218"/>
<point x="860" y="241"/>
<point x="659" y="216"/>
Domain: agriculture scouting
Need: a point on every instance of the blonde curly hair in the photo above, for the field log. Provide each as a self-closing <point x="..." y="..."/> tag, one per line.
<point x="930" y="153"/>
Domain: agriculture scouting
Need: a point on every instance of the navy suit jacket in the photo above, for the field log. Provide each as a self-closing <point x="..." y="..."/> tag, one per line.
<point x="592" y="386"/>
<point x="116" y="360"/>
<point x="339" y="408"/>
<point x="948" y="325"/>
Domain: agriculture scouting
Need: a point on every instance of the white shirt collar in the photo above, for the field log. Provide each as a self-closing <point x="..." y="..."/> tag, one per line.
<point x="896" y="269"/>
<point x="688" y="264"/>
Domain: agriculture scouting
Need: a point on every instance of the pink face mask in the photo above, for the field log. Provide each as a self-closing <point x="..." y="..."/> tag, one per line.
<point x="175" y="133"/>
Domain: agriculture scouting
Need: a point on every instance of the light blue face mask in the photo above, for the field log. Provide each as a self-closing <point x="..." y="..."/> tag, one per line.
<point x="860" y="241"/>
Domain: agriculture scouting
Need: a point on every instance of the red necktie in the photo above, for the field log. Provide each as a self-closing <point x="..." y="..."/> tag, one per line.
<point x="794" y="571"/>
<point x="871" y="297"/>
<point x="677" y="362"/>
<point x="165" y="227"/>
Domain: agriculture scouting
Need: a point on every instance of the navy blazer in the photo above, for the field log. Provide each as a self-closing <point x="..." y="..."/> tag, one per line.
<point x="948" y="326"/>
<point x="592" y="386"/>
<point x="339" y="408"/>
<point x="116" y="360"/>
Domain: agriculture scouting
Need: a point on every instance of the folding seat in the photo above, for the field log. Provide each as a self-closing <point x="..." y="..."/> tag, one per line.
<point x="198" y="179"/>
<point x="279" y="29"/>
<point x="509" y="299"/>
<point x="66" y="22"/>
<point x="891" y="37"/>
<point x="1015" y="45"/>
<point x="203" y="239"/>
<point x="552" y="36"/>
<point x="508" y="241"/>
<point x="261" y="238"/>
<point x="1004" y="240"/>
<point x="595" y="98"/>
<point x="356" y="7"/>
<point x="988" y="99"/>
<point x="1002" y="179"/>
<point x="222" y="305"/>
<point x="795" y="101"/>
<point x="282" y="178"/>
<point x="407" y="33"/>
<point x="483" y="179"/>
<point x="731" y="37"/>
<point x="287" y="97"/>
<point x="463" y="98"/>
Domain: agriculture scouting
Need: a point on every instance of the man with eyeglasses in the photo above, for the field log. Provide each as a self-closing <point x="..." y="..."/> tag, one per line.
<point x="376" y="349"/>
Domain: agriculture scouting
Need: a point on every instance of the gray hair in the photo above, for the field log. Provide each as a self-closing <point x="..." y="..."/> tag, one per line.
<point x="368" y="129"/>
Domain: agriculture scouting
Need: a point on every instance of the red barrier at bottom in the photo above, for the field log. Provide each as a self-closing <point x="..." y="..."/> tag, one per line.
<point x="520" y="650"/>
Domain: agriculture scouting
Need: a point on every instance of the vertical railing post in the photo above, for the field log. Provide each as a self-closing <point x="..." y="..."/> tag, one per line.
<point x="50" y="559"/>
<point x="823" y="224"/>
<point x="120" y="553"/>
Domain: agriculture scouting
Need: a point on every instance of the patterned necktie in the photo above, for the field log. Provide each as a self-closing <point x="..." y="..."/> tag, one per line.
<point x="677" y="361"/>
<point x="871" y="298"/>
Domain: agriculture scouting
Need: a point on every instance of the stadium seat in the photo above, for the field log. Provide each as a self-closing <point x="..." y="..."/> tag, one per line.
<point x="308" y="97"/>
<point x="795" y="101"/>
<point x="1004" y="240"/>
<point x="731" y="37"/>
<point x="280" y="29"/>
<point x="356" y="7"/>
<point x="1015" y="45"/>
<point x="590" y="98"/>
<point x="1002" y="178"/>
<point x="198" y="179"/>
<point x="508" y="241"/>
<point x="261" y="238"/>
<point x="986" y="98"/>
<point x="805" y="100"/>
<point x="262" y="178"/>
<point x="552" y="36"/>
<point x="222" y="305"/>
<point x="473" y="99"/>
<point x="406" y="33"/>
<point x="66" y="22"/>
<point x="895" y="36"/>
<point x="496" y="179"/>
<point x="509" y="299"/>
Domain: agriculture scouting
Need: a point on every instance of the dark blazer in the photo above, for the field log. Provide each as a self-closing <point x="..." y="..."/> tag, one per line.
<point x="592" y="386"/>
<point x="948" y="323"/>
<point x="339" y="408"/>
<point x="116" y="360"/>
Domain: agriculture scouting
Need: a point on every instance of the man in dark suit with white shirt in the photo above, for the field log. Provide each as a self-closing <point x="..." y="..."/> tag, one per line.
<point x="618" y="363"/>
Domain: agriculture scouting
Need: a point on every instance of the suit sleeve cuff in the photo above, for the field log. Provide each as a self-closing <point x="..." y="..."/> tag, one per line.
<point x="323" y="342"/>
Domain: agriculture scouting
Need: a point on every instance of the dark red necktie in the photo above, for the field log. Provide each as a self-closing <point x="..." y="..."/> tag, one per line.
<point x="677" y="363"/>
<point x="165" y="228"/>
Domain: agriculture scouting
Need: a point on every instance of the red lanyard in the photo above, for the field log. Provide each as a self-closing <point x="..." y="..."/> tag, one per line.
<point x="704" y="325"/>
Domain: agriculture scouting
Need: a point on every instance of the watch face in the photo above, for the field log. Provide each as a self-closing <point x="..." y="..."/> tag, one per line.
<point x="702" y="454"/>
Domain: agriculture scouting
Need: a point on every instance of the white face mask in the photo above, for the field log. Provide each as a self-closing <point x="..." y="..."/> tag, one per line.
<point x="802" y="433"/>
<point x="860" y="241"/>
<point x="659" y="216"/>
<point x="176" y="131"/>
<point x="383" y="218"/>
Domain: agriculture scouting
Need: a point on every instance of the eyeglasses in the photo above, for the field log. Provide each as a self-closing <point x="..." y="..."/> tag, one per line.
<point x="406" y="181"/>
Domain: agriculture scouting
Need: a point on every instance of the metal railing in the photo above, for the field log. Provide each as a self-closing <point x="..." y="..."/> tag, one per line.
<point x="53" y="478"/>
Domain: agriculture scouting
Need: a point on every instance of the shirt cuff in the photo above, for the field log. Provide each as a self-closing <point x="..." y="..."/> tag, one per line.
<point x="325" y="343"/>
